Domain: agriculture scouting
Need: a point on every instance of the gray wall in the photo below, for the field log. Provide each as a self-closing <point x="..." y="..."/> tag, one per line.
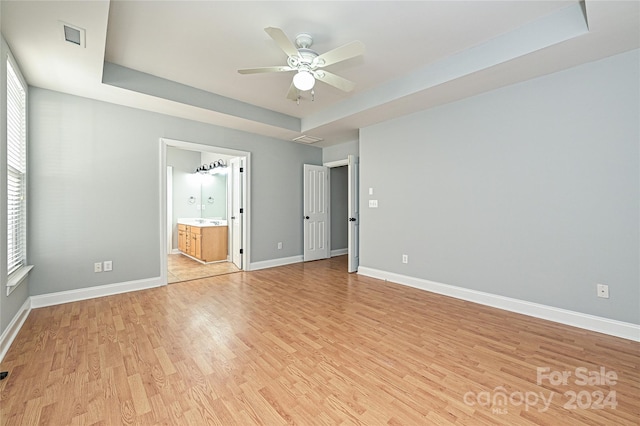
<point x="339" y="152"/>
<point x="339" y="208"/>
<point x="95" y="177"/>
<point x="9" y="305"/>
<point x="530" y="191"/>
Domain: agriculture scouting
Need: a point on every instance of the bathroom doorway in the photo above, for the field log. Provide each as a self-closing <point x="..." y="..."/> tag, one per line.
<point x="205" y="199"/>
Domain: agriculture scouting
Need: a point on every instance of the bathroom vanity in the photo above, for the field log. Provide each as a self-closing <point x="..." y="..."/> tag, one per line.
<point x="203" y="239"/>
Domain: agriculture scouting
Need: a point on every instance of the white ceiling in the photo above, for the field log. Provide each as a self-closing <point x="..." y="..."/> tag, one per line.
<point x="419" y="54"/>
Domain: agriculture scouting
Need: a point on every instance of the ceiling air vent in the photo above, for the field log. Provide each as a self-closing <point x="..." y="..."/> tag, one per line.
<point x="307" y="139"/>
<point x="72" y="34"/>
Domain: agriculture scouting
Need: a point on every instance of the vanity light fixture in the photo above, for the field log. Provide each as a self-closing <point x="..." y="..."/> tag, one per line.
<point x="212" y="168"/>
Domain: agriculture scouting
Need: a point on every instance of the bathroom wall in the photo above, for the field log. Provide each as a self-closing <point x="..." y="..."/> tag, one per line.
<point x="185" y="186"/>
<point x="185" y="183"/>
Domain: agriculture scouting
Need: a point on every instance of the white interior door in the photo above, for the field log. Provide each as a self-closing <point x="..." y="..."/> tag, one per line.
<point x="354" y="213"/>
<point x="237" y="177"/>
<point x="169" y="209"/>
<point x="316" y="212"/>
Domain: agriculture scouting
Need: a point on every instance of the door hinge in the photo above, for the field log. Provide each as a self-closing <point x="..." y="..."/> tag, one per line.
<point x="241" y="251"/>
<point x="241" y="210"/>
<point x="241" y="169"/>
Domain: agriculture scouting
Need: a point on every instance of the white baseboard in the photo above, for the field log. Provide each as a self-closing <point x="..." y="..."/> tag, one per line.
<point x="339" y="252"/>
<point x="13" y="328"/>
<point x="608" y="326"/>
<point x="275" y="262"/>
<point x="57" y="298"/>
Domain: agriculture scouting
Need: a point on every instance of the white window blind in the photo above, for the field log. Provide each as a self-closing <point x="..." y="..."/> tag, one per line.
<point x="16" y="171"/>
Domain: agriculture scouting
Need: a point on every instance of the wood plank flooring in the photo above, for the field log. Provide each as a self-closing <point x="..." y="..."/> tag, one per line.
<point x="182" y="268"/>
<point x="309" y="344"/>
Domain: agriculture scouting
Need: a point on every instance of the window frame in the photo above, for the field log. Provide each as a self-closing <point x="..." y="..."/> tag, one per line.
<point x="17" y="275"/>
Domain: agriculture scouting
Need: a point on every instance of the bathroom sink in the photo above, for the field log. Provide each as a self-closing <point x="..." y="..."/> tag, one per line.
<point x="202" y="222"/>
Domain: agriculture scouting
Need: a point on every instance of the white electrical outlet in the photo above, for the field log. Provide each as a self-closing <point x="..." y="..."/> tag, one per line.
<point x="603" y="290"/>
<point x="280" y="246"/>
<point x="108" y="265"/>
<point x="405" y="258"/>
<point x="97" y="267"/>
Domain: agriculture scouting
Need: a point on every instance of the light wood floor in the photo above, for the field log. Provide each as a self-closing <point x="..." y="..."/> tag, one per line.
<point x="304" y="344"/>
<point x="182" y="268"/>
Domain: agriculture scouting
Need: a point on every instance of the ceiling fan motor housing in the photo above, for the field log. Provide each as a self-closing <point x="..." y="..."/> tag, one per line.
<point x="305" y="59"/>
<point x="304" y="41"/>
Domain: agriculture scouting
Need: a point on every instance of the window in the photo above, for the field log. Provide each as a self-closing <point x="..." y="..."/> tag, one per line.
<point x="16" y="173"/>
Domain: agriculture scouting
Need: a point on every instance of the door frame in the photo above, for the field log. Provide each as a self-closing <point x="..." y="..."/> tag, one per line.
<point x="246" y="222"/>
<point x="331" y="165"/>
<point x="353" y="207"/>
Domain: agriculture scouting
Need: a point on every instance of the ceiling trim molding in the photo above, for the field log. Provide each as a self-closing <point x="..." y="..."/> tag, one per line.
<point x="565" y="24"/>
<point x="137" y="81"/>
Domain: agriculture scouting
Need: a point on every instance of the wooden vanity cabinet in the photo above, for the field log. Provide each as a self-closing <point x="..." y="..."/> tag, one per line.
<point x="182" y="238"/>
<point x="207" y="243"/>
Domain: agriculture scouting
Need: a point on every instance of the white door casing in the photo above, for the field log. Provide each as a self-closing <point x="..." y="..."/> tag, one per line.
<point x="169" y="205"/>
<point x="354" y="212"/>
<point x="316" y="212"/>
<point x="244" y="200"/>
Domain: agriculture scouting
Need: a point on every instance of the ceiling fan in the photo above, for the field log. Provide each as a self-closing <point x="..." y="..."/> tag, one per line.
<point x="308" y="64"/>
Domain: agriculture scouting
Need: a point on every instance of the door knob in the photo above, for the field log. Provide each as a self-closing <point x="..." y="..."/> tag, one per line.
<point x="306" y="217"/>
<point x="352" y="219"/>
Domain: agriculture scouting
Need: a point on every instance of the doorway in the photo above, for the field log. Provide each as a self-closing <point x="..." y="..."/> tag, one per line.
<point x="321" y="211"/>
<point x="206" y="224"/>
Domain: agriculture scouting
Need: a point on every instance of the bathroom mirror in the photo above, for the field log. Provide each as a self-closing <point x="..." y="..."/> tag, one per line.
<point x="197" y="195"/>
<point x="213" y="196"/>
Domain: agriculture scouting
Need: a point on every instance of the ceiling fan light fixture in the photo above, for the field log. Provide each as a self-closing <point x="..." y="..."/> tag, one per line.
<point x="306" y="63"/>
<point x="304" y="80"/>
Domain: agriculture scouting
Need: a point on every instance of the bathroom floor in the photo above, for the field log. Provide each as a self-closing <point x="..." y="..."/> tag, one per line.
<point x="181" y="268"/>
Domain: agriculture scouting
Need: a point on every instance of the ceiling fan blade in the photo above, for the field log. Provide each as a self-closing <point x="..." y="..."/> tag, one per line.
<point x="342" y="53"/>
<point x="282" y="40"/>
<point x="335" y="80"/>
<point x="265" y="69"/>
<point x="293" y="93"/>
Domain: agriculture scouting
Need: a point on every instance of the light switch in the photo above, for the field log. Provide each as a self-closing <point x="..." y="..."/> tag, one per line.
<point x="373" y="204"/>
<point x="370" y="191"/>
